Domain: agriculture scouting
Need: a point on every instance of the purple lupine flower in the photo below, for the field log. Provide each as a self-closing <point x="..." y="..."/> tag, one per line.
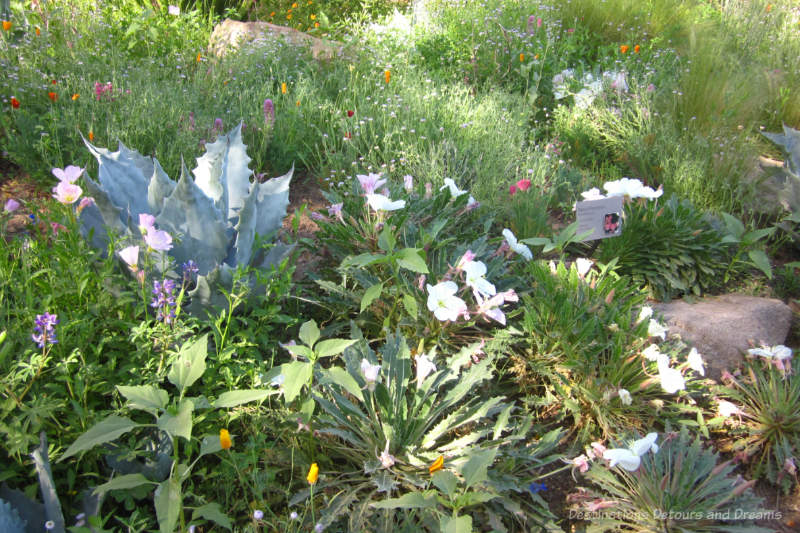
<point x="189" y="270"/>
<point x="44" y="333"/>
<point x="164" y="300"/>
<point x="269" y="112"/>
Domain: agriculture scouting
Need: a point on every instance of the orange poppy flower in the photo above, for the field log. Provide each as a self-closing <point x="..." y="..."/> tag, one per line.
<point x="313" y="474"/>
<point x="52" y="96"/>
<point x="38" y="31"/>
<point x="75" y="96"/>
<point x="53" y="82"/>
<point x="624" y="48"/>
<point x="7" y="25"/>
<point x="283" y="88"/>
<point x="636" y="49"/>
<point x="224" y="438"/>
<point x="769" y="8"/>
<point x="294" y="6"/>
<point x="14" y="103"/>
<point x="91" y="136"/>
<point x="298" y="103"/>
<point x="199" y="57"/>
<point x="387" y="75"/>
<point x="521" y="58"/>
<point x="536" y="56"/>
<point x="272" y="14"/>
<point x="437" y="465"/>
<point x="316" y="24"/>
<point x="289" y="16"/>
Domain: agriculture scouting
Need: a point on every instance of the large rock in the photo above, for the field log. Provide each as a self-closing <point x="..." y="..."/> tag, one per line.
<point x="723" y="327"/>
<point x="231" y="34"/>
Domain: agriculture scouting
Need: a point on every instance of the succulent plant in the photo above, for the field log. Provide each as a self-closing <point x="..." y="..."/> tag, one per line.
<point x="215" y="216"/>
<point x="788" y="177"/>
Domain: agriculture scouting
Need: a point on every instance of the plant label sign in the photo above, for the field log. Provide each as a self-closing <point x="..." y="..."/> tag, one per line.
<point x="603" y="218"/>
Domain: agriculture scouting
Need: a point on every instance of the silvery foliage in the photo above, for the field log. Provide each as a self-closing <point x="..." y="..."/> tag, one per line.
<point x="214" y="216"/>
<point x="789" y="174"/>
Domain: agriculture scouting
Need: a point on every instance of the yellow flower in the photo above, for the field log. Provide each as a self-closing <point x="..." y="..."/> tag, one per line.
<point x="225" y="439"/>
<point x="75" y="96"/>
<point x="316" y="24"/>
<point x="521" y="58"/>
<point x="6" y="25"/>
<point x="313" y="474"/>
<point x="437" y="465"/>
<point x="298" y="103"/>
<point x="294" y="6"/>
<point x="387" y="75"/>
<point x="283" y="88"/>
<point x="313" y="16"/>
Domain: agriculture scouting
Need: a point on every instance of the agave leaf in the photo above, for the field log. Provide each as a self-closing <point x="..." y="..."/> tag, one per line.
<point x="190" y="212"/>
<point x="235" y="174"/>
<point x="124" y="176"/>
<point x="204" y="296"/>
<point x="272" y="198"/>
<point x="103" y="214"/>
<point x="160" y="188"/>
<point x="790" y="142"/>
<point x="245" y="232"/>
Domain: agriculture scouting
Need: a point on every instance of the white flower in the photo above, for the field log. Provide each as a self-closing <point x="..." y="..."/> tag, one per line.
<point x="424" y="367"/>
<point x="671" y="380"/>
<point x="645" y="444"/>
<point x="779" y="352"/>
<point x="472" y="203"/>
<point x="625" y="396"/>
<point x="521" y="249"/>
<point x="630" y="459"/>
<point x="370" y="182"/>
<point x="584" y="98"/>
<point x="379" y="202"/>
<point x="386" y="459"/>
<point x="695" y="361"/>
<point x="592" y="194"/>
<point x="655" y="329"/>
<point x="131" y="256"/>
<point x="455" y="192"/>
<point x="651" y="353"/>
<point x="727" y="409"/>
<point x="173" y="10"/>
<point x="408" y="183"/>
<point x="650" y="194"/>
<point x="645" y="313"/>
<point x="632" y="188"/>
<point x="583" y="265"/>
<point x="370" y="372"/>
<point x="443" y="301"/>
<point x="474" y="272"/>
<point x="69" y="174"/>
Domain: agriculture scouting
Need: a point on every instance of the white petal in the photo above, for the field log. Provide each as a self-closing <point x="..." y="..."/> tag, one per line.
<point x="644" y="445"/>
<point x="695" y="361"/>
<point x="583" y="265"/>
<point x="622" y="457"/>
<point x="655" y="329"/>
<point x="671" y="380"/>
<point x="651" y="352"/>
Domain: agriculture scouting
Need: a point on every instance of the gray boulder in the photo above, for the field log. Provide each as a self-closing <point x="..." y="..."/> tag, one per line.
<point x="723" y="327"/>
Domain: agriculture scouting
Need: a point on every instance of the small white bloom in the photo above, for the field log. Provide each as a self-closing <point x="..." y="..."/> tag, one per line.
<point x="443" y="302"/>
<point x="583" y="265"/>
<point x="625" y="396"/>
<point x="622" y="457"/>
<point x="370" y="372"/>
<point x="474" y="272"/>
<point x="174" y="10"/>
<point x="521" y="249"/>
<point x="645" y="444"/>
<point x="131" y="256"/>
<point x="386" y="459"/>
<point x="695" y="361"/>
<point x="727" y="409"/>
<point x="671" y="380"/>
<point x="645" y="313"/>
<point x="455" y="192"/>
<point x="655" y="329"/>
<point x="424" y="367"/>
<point x="379" y="202"/>
<point x="779" y="352"/>
<point x="651" y="353"/>
<point x="592" y="194"/>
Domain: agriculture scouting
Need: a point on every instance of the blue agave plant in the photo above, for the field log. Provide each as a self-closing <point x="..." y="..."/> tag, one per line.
<point x="215" y="216"/>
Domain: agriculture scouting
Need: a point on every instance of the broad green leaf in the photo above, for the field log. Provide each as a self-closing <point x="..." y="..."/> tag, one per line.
<point x="209" y="444"/>
<point x="455" y="524"/>
<point x="102" y="432"/>
<point x="238" y="397"/>
<point x="410" y="500"/>
<point x="387" y="240"/>
<point x="474" y="470"/>
<point x="757" y="235"/>
<point x="213" y="512"/>
<point x="309" y="333"/>
<point x="145" y="397"/>
<point x="370" y="295"/>
<point x="410" y="303"/>
<point x="446" y="482"/>
<point x="299" y="350"/>
<point x="536" y="241"/>
<point x="190" y="364"/>
<point x="502" y="422"/>
<point x="760" y="259"/>
<point x="342" y="378"/>
<point x="734" y="225"/>
<point x="180" y="423"/>
<point x="363" y="260"/>
<point x="330" y="347"/>
<point x="128" y="481"/>
<point x="168" y="502"/>
<point x="409" y="258"/>
<point x="295" y="375"/>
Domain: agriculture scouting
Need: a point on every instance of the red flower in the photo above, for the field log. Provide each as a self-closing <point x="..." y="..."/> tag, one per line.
<point x="53" y="82"/>
<point x="512" y="190"/>
<point x="14" y="103"/>
<point x="52" y="96"/>
<point x="524" y="185"/>
<point x="350" y="113"/>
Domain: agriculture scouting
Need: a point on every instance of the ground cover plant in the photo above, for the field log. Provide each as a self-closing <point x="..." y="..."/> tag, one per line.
<point x="429" y="343"/>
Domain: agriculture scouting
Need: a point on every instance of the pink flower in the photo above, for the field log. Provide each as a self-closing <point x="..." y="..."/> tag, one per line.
<point x="335" y="210"/>
<point x="85" y="202"/>
<point x="468" y="257"/>
<point x="539" y="22"/>
<point x="158" y="240"/>
<point x="598" y="504"/>
<point x="523" y="184"/>
<point x="147" y="222"/>
<point x="408" y="183"/>
<point x="370" y="182"/>
<point x="651" y="88"/>
<point x="512" y="190"/>
<point x="269" y="112"/>
<point x="598" y="448"/>
<point x="131" y="257"/>
<point x="11" y="205"/>
<point x="56" y="227"/>
<point x="570" y="30"/>
<point x="69" y="174"/>
<point x="101" y="89"/>
<point x="218" y="124"/>
<point x="582" y="463"/>
<point x="66" y="192"/>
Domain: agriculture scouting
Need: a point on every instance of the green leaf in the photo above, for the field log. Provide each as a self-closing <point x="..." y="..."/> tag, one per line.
<point x="410" y="303"/>
<point x="102" y="432"/>
<point x="309" y="333"/>
<point x="295" y="375"/>
<point x="363" y="260"/>
<point x="190" y="364"/>
<point x="238" y="397"/>
<point x="370" y="295"/>
<point x="168" y="501"/>
<point x="760" y="260"/>
<point x="387" y="240"/>
<point x="209" y="444"/>
<point x="213" y="512"/>
<point x="342" y="378"/>
<point x="474" y="470"/>
<point x="330" y="347"/>
<point x="446" y="482"/>
<point x="179" y="424"/>
<point x="300" y="350"/>
<point x="455" y="524"/>
<point x="145" y="397"/>
<point x="734" y="225"/>
<point x="411" y="500"/>
<point x="410" y="259"/>
<point x="128" y="481"/>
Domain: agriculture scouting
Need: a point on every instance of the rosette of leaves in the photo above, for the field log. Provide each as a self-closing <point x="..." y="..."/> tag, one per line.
<point x="214" y="217"/>
<point x="678" y="489"/>
<point x="767" y="431"/>
<point x="489" y="460"/>
<point x="577" y="343"/>
<point x="669" y="247"/>
<point x="787" y="178"/>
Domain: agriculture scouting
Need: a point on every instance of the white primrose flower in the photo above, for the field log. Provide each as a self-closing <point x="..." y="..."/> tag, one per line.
<point x="728" y="409"/>
<point x="387" y="460"/>
<point x="625" y="396"/>
<point x="444" y="303"/>
<point x="370" y="182"/>
<point x="630" y="458"/>
<point x="779" y="352"/>
<point x="583" y="265"/>
<point x="455" y="192"/>
<point x="490" y="308"/>
<point x="521" y="249"/>
<point x="424" y="367"/>
<point x="655" y="329"/>
<point x="370" y="372"/>
<point x="379" y="202"/>
<point x="474" y="272"/>
<point x="671" y="380"/>
<point x="631" y="187"/>
<point x="695" y="361"/>
<point x="592" y="194"/>
<point x="645" y="313"/>
<point x="651" y="353"/>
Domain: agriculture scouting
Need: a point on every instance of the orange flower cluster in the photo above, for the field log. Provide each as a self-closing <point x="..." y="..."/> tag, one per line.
<point x="7" y="25"/>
